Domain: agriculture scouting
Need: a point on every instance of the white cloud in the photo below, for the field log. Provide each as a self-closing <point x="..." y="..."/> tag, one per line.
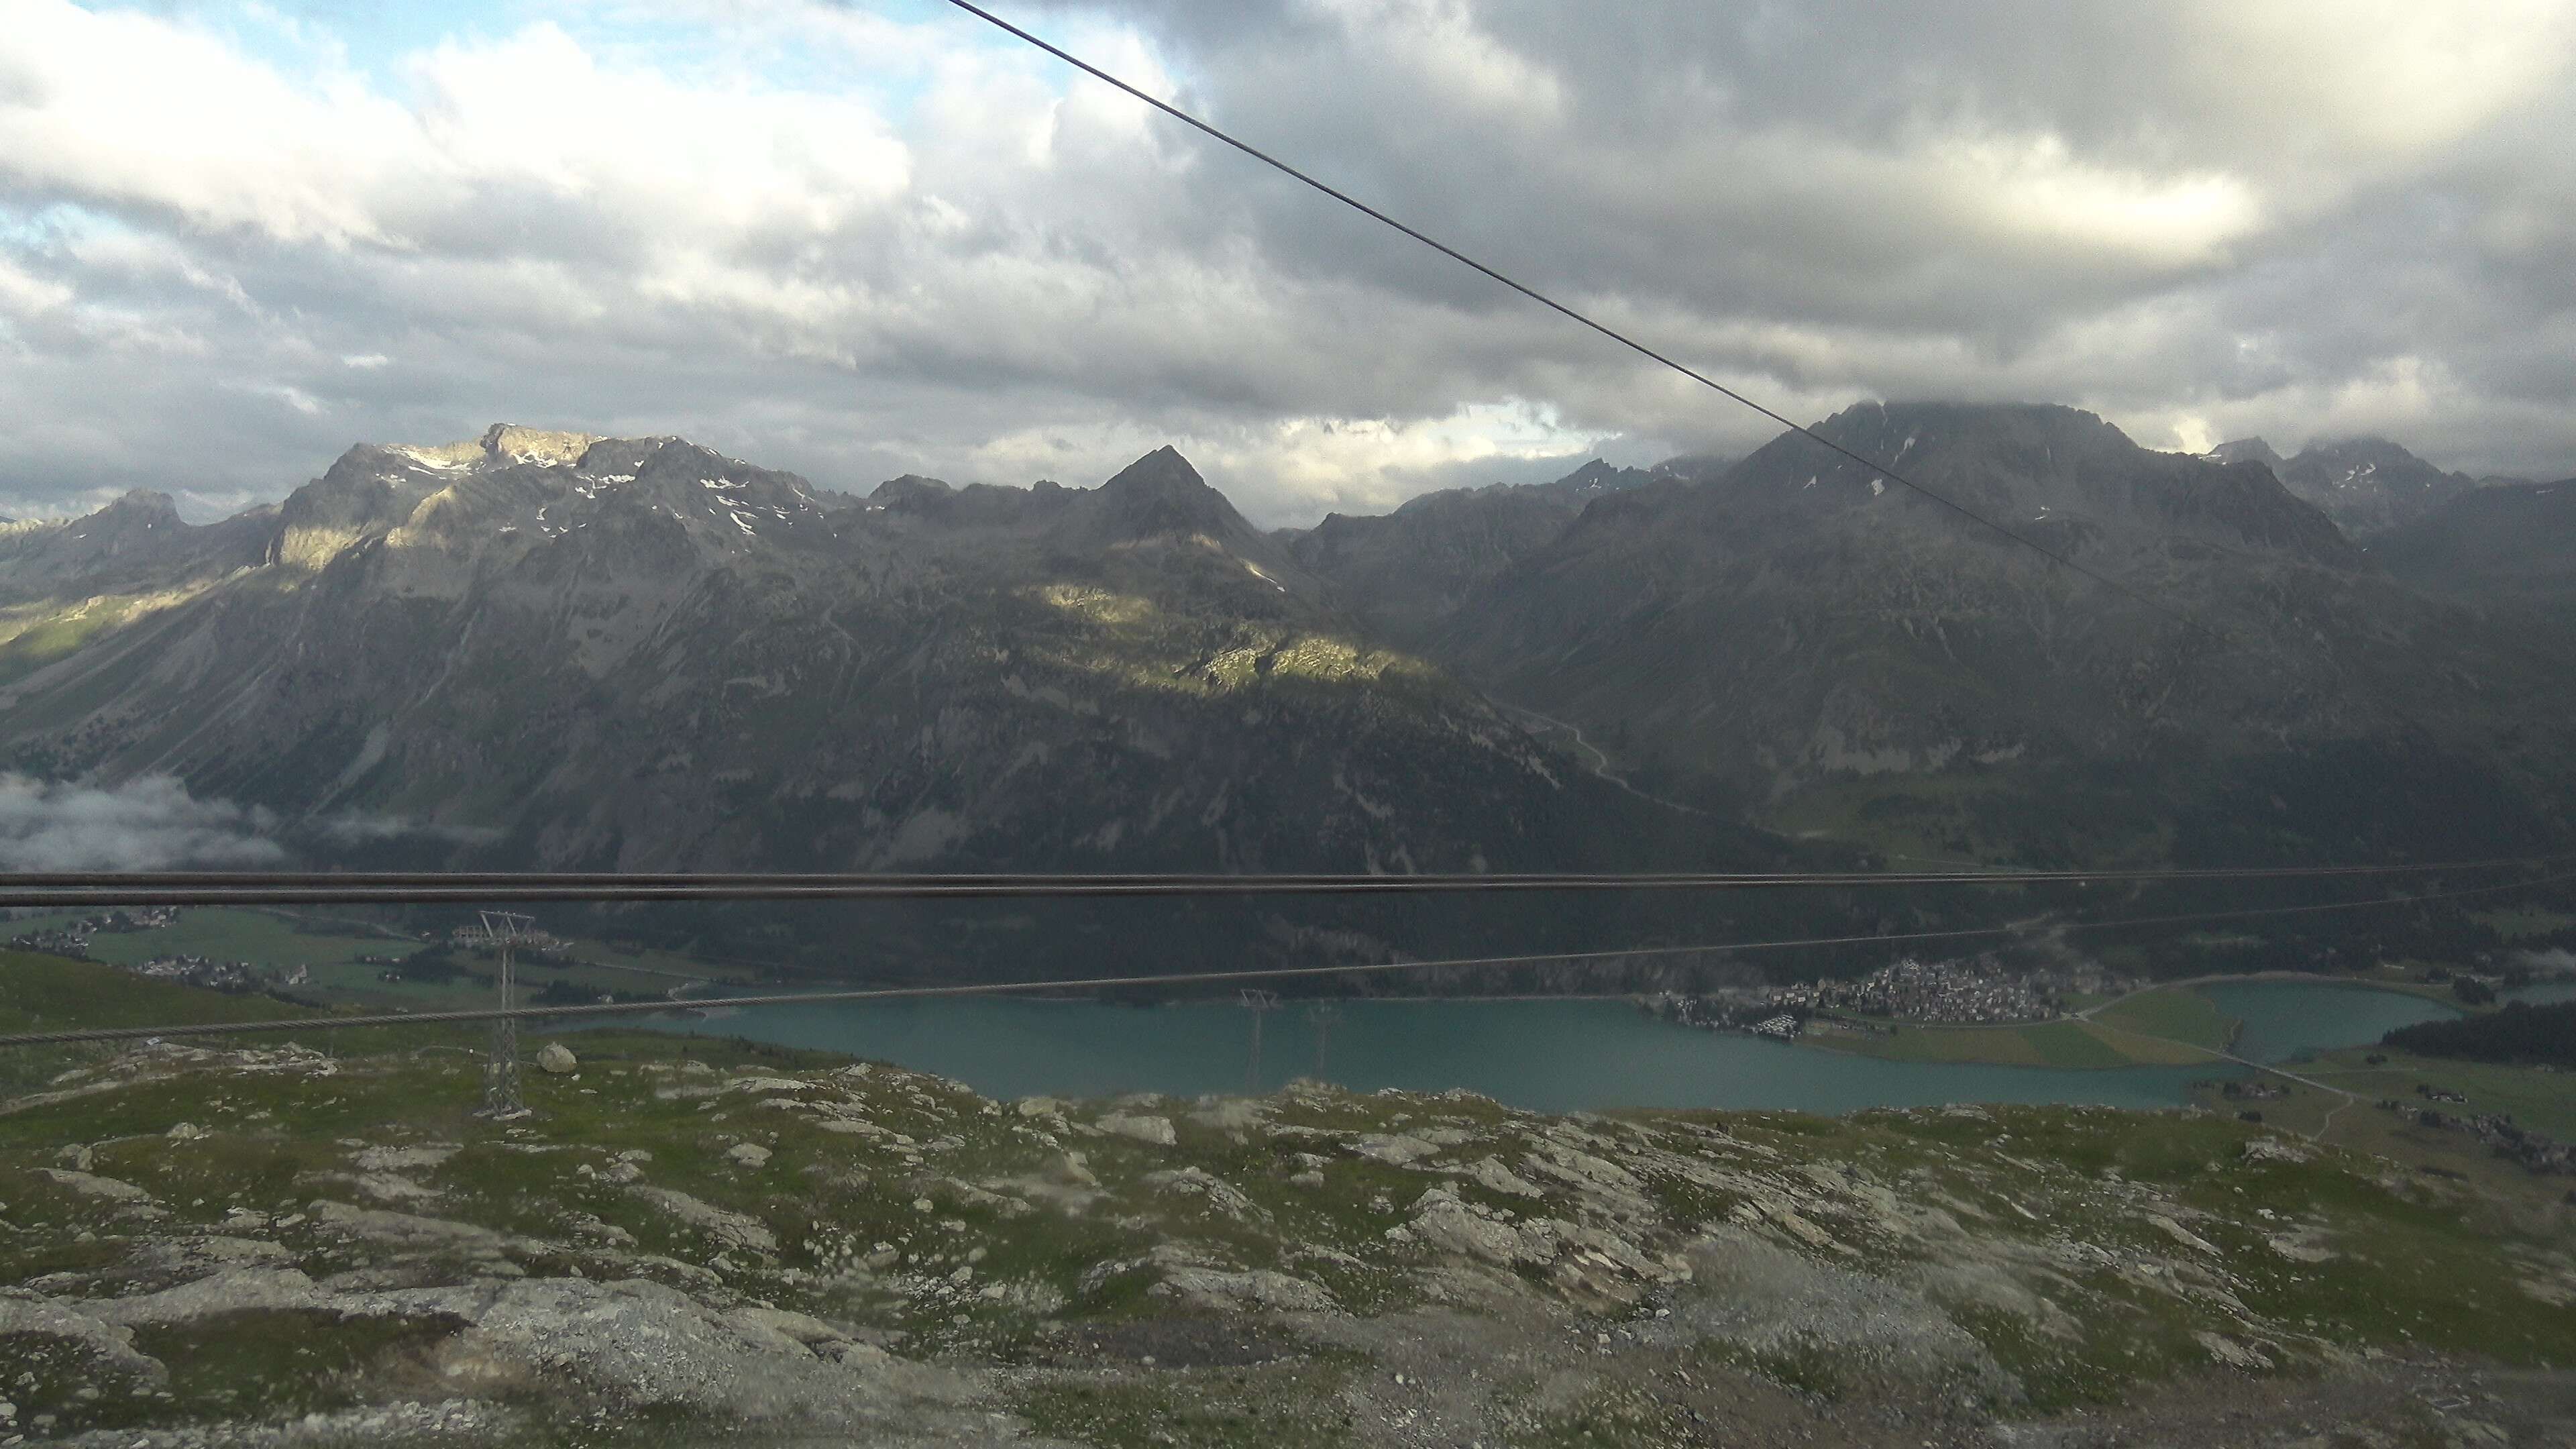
<point x="2033" y="187"/>
<point x="1442" y="45"/>
<point x="2389" y="77"/>
<point x="124" y="107"/>
<point x="645" y="151"/>
<point x="296" y="398"/>
<point x="24" y="295"/>
<point x="857" y="246"/>
<point x="151" y="823"/>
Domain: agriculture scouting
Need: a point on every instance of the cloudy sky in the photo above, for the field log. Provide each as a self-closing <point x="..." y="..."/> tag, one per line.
<point x="869" y="238"/>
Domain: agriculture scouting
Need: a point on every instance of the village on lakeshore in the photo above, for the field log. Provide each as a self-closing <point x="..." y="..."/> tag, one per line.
<point x="1974" y="991"/>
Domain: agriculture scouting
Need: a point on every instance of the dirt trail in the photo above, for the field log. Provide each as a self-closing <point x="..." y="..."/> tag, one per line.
<point x="1600" y="764"/>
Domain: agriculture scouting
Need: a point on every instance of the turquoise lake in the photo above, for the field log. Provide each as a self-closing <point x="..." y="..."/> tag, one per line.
<point x="2284" y="1019"/>
<point x="1548" y="1055"/>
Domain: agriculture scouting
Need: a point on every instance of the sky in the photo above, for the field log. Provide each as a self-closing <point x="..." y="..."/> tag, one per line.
<point x="869" y="238"/>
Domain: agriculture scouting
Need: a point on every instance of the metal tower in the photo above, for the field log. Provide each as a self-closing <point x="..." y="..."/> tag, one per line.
<point x="502" y="1101"/>
<point x="1260" y="1004"/>
<point x="1323" y="1014"/>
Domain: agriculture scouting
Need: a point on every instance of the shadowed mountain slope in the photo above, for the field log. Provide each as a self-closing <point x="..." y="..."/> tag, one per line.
<point x="1404" y="571"/>
<point x="2508" y="545"/>
<point x="1803" y="640"/>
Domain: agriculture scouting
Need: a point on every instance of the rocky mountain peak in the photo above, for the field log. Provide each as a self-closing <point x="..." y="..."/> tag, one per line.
<point x="2005" y="460"/>
<point x="1160" y="474"/>
<point x="369" y="486"/>
<point x="1894" y="430"/>
<point x="1594" y="480"/>
<point x="909" y="490"/>
<point x="137" y="543"/>
<point x="2247" y="450"/>
<point x="2369" y="485"/>
<point x="510" y="443"/>
<point x="529" y="485"/>
<point x="1160" y="494"/>
<point x="2055" y="473"/>
<point x="138" y="509"/>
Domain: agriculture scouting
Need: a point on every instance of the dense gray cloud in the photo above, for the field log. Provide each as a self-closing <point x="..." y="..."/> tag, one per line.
<point x="147" y="824"/>
<point x="859" y="246"/>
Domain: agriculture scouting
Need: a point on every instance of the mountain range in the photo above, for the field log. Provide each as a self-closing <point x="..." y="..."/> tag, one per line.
<point x="1800" y="641"/>
<point x="550" y="649"/>
<point x="2366" y="485"/>
<point x="565" y="651"/>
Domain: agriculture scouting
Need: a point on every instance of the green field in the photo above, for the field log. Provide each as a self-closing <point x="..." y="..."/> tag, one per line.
<point x="2035" y="1044"/>
<point x="331" y="950"/>
<point x="2071" y="1044"/>
<point x="2175" y="1014"/>
<point x="262" y="938"/>
<point x="2544" y="1101"/>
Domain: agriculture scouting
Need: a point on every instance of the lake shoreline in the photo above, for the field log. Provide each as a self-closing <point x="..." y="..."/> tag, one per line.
<point x="1552" y="1053"/>
<point x="2018" y="1062"/>
<point x="1041" y="992"/>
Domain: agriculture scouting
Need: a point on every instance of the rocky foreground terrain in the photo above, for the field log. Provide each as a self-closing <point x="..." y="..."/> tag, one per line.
<point x="693" y="1242"/>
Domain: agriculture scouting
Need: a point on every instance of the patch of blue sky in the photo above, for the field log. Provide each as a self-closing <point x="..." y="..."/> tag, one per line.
<point x="48" y="227"/>
<point x="885" y="50"/>
<point x="816" y="49"/>
<point x="299" y="36"/>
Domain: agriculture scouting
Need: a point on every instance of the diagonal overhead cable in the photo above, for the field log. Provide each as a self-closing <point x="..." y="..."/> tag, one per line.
<point x="1605" y="329"/>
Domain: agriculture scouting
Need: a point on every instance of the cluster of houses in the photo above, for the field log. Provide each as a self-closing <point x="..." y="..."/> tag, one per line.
<point x="1948" y="991"/>
<point x="1724" y="1013"/>
<point x="1912" y="989"/>
<point x="72" y="937"/>
<point x="74" y="944"/>
<point x="204" y="971"/>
